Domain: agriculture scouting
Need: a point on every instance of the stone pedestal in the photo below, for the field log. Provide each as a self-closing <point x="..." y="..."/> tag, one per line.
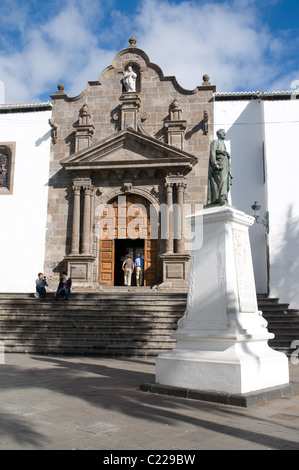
<point x="79" y="268"/>
<point x="175" y="271"/>
<point x="222" y="340"/>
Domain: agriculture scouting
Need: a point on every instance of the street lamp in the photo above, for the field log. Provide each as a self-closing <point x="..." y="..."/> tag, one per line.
<point x="256" y="214"/>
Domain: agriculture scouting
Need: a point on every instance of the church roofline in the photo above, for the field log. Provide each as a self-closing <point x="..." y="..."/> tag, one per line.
<point x="25" y="107"/>
<point x="257" y="95"/>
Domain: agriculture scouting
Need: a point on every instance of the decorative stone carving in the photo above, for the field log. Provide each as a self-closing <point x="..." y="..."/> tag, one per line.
<point x="84" y="130"/>
<point x="127" y="187"/>
<point x="206" y="80"/>
<point x="176" y="126"/>
<point x="60" y="89"/>
<point x="84" y="117"/>
<point x="54" y="128"/>
<point x="206" y="122"/>
<point x="132" y="41"/>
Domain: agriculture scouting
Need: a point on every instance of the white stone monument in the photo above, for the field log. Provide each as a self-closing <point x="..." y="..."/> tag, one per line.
<point x="222" y="340"/>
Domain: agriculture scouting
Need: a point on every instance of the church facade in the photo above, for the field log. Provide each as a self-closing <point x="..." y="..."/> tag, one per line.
<point x="86" y="180"/>
<point x="128" y="156"/>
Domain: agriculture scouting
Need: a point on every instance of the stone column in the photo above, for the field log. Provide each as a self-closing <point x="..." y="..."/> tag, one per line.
<point x="180" y="245"/>
<point x="86" y="220"/>
<point x="76" y="220"/>
<point x="169" y="241"/>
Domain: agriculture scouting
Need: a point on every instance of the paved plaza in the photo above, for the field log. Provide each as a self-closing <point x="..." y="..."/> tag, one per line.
<point x="91" y="403"/>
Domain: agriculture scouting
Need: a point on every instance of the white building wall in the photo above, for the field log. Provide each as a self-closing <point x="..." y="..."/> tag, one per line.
<point x="282" y="157"/>
<point x="23" y="214"/>
<point x="262" y="137"/>
<point x="243" y="122"/>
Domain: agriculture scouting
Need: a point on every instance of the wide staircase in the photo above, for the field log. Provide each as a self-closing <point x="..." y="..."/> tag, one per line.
<point x="282" y="321"/>
<point x="136" y="322"/>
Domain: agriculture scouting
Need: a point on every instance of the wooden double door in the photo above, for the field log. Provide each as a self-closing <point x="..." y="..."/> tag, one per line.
<point x="126" y="229"/>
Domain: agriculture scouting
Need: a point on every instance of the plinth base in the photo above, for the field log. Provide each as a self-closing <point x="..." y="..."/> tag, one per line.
<point x="239" y="368"/>
<point x="245" y="400"/>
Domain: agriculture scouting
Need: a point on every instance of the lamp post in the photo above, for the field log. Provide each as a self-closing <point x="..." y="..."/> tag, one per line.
<point x="256" y="214"/>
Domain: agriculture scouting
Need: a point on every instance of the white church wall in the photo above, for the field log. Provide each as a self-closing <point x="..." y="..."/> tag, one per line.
<point x="23" y="214"/>
<point x="282" y="157"/>
<point x="242" y="121"/>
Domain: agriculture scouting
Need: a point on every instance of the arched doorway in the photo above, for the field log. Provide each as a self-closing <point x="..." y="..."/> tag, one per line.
<point x="126" y="228"/>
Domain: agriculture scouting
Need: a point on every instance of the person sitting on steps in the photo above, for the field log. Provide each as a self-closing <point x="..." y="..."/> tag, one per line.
<point x="64" y="287"/>
<point x="41" y="283"/>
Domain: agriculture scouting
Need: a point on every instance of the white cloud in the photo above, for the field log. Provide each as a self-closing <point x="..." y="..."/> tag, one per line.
<point x="76" y="42"/>
<point x="62" y="49"/>
<point x="224" y="40"/>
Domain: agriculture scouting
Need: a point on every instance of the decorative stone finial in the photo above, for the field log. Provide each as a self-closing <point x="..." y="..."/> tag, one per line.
<point x="60" y="88"/>
<point x="206" y="79"/>
<point x="132" y="41"/>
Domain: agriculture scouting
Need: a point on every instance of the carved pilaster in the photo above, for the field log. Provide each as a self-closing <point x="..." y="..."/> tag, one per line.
<point x="180" y="240"/>
<point x="88" y="192"/>
<point x="76" y="220"/>
<point x="169" y="202"/>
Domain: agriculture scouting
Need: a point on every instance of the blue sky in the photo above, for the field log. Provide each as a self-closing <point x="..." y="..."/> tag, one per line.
<point x="241" y="44"/>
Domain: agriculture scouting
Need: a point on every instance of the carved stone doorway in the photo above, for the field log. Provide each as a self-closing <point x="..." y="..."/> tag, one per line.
<point x="129" y="216"/>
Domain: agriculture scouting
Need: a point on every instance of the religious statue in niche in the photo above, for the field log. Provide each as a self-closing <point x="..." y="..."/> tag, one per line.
<point x="220" y="171"/>
<point x="129" y="79"/>
<point x="3" y="170"/>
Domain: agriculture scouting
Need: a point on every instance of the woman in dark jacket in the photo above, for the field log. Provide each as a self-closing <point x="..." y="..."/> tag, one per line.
<point x="64" y="286"/>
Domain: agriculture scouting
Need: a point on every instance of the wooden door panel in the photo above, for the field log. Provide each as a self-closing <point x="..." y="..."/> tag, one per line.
<point x="150" y="262"/>
<point x="106" y="262"/>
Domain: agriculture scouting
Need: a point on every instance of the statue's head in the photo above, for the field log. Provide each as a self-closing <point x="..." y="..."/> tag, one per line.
<point x="221" y="134"/>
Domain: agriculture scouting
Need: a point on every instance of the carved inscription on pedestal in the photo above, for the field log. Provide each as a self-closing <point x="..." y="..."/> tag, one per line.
<point x="244" y="272"/>
<point x="78" y="271"/>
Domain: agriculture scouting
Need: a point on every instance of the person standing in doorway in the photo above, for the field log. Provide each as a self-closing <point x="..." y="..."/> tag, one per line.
<point x="128" y="268"/>
<point x="139" y="265"/>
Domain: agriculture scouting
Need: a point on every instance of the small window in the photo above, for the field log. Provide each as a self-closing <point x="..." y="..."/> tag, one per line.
<point x="7" y="164"/>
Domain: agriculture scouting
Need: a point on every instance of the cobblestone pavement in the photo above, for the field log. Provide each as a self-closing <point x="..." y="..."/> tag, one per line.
<point x="91" y="403"/>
